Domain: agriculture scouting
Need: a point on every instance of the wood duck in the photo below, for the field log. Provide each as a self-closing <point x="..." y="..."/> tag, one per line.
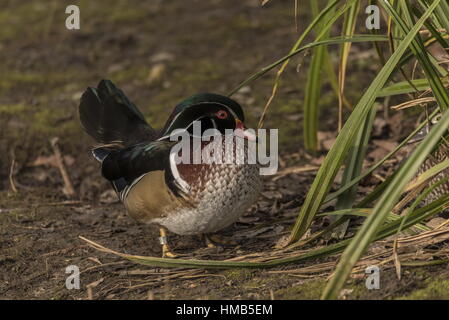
<point x="184" y="198"/>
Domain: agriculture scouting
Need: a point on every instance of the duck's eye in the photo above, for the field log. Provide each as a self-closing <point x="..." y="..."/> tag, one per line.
<point x="221" y="114"/>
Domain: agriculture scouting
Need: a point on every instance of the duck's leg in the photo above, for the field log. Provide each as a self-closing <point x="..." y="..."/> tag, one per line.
<point x="209" y="243"/>
<point x="212" y="241"/>
<point x="166" y="252"/>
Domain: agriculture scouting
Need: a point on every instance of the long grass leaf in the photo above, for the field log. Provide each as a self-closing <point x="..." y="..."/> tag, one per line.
<point x="339" y="151"/>
<point x="404" y="87"/>
<point x="354" y="164"/>
<point x="366" y="233"/>
<point x="313" y="90"/>
<point x="348" y="30"/>
<point x="421" y="54"/>
<point x="379" y="163"/>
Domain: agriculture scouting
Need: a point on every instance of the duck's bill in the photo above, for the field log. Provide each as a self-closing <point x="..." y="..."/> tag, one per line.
<point x="242" y="132"/>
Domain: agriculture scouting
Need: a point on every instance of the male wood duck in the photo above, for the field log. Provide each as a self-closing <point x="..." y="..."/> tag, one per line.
<point x="184" y="198"/>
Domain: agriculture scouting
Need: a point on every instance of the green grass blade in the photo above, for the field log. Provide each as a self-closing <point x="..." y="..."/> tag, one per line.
<point x="379" y="163"/>
<point x="353" y="168"/>
<point x="442" y="15"/>
<point x="418" y="200"/>
<point x="330" y="41"/>
<point x="313" y="90"/>
<point x="421" y="54"/>
<point x="354" y="162"/>
<point x="366" y="233"/>
<point x="428" y="174"/>
<point x="433" y="30"/>
<point x="404" y="87"/>
<point x="377" y="46"/>
<point x="408" y="56"/>
<point x="339" y="151"/>
<point x="312" y="98"/>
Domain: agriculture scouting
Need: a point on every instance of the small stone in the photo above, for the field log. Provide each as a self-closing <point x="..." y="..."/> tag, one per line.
<point x="156" y="73"/>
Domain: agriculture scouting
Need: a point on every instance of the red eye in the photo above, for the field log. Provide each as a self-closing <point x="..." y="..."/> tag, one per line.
<point x="221" y="114"/>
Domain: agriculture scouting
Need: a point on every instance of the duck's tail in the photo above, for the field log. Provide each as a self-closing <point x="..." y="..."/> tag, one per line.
<point x="108" y="116"/>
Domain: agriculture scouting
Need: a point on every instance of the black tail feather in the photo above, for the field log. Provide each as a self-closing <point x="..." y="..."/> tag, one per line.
<point x="108" y="116"/>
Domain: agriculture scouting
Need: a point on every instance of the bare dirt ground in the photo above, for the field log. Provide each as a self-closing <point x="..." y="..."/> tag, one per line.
<point x="158" y="52"/>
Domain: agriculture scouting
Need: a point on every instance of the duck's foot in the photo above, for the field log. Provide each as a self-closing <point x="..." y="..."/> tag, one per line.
<point x="166" y="251"/>
<point x="209" y="243"/>
<point x="214" y="241"/>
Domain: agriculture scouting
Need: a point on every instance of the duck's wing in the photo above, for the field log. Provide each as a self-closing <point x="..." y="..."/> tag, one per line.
<point x="126" y="167"/>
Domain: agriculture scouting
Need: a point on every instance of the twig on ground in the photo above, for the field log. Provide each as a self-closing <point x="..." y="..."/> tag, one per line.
<point x="92" y="285"/>
<point x="11" y="174"/>
<point x="68" y="186"/>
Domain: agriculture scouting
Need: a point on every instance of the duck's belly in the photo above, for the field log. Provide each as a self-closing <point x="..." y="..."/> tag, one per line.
<point x="220" y="204"/>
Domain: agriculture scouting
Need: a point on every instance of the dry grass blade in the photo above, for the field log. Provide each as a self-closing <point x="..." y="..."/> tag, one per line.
<point x="386" y="257"/>
<point x="427" y="175"/>
<point x="413" y="103"/>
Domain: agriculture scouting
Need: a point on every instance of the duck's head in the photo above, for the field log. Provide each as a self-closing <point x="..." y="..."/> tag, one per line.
<point x="213" y="111"/>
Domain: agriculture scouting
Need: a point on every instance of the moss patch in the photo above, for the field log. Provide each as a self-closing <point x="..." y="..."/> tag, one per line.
<point x="308" y="290"/>
<point x="11" y="109"/>
<point x="436" y="289"/>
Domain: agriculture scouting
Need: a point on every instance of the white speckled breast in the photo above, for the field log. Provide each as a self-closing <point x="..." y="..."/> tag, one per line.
<point x="222" y="202"/>
<point x="221" y="193"/>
